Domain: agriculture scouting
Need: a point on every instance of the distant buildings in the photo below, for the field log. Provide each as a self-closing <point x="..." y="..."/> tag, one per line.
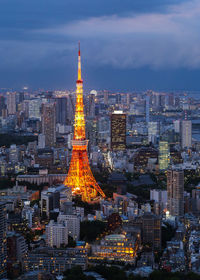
<point x="49" y="124"/>
<point x="35" y="108"/>
<point x="118" y="131"/>
<point x="153" y="131"/>
<point x="11" y="103"/>
<point x="13" y="154"/>
<point x="159" y="196"/>
<point x="186" y="134"/>
<point x="175" y="192"/>
<point x="164" y="155"/>
<point x="3" y="245"/>
<point x="177" y="126"/>
<point x="61" y="110"/>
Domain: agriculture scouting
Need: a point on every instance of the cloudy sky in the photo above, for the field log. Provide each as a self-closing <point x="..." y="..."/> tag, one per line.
<point x="126" y="45"/>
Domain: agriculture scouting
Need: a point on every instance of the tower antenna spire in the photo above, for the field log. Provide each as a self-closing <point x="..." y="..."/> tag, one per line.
<point x="79" y="62"/>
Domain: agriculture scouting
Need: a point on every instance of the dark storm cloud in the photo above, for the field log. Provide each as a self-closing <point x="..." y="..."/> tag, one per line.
<point x="39" y="39"/>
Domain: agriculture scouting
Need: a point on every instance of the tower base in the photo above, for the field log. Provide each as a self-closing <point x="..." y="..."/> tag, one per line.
<point x="80" y="177"/>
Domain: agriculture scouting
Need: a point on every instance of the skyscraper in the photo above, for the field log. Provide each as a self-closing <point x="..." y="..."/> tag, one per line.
<point x="118" y="131"/>
<point x="49" y="124"/>
<point x="11" y="103"/>
<point x="175" y="192"/>
<point x="186" y="134"/>
<point x="147" y="108"/>
<point x="2" y="104"/>
<point x="3" y="245"/>
<point x="153" y="131"/>
<point x="80" y="177"/>
<point x="177" y="125"/>
<point x="151" y="230"/>
<point x="34" y="108"/>
<point x="164" y="155"/>
<point x="61" y="110"/>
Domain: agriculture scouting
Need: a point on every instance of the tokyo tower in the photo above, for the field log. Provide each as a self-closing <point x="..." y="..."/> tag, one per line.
<point x="80" y="177"/>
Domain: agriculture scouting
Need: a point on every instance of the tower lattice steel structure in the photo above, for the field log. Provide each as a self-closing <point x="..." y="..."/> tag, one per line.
<point x="80" y="177"/>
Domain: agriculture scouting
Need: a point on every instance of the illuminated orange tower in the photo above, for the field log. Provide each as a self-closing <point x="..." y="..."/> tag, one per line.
<point x="80" y="177"/>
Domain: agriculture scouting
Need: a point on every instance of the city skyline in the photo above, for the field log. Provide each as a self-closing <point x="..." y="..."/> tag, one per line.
<point x="129" y="46"/>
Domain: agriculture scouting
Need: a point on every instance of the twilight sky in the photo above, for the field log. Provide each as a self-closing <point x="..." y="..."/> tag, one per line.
<point x="126" y="45"/>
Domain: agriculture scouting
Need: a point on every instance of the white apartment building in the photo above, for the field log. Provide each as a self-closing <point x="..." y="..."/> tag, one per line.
<point x="73" y="224"/>
<point x="57" y="234"/>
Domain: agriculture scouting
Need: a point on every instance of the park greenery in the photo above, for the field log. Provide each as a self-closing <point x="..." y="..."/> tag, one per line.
<point x="13" y="138"/>
<point x="89" y="231"/>
<point x="116" y="273"/>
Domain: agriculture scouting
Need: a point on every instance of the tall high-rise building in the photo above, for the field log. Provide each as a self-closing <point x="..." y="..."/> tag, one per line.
<point x="61" y="110"/>
<point x="41" y="141"/>
<point x="35" y="108"/>
<point x="186" y="134"/>
<point x="50" y="200"/>
<point x="175" y="192"/>
<point x="3" y="244"/>
<point x="151" y="230"/>
<point x="147" y="108"/>
<point x="11" y="103"/>
<point x="118" y="131"/>
<point x="80" y="178"/>
<point x="91" y="105"/>
<point x="13" y="153"/>
<point x="153" y="131"/>
<point x="164" y="155"/>
<point x="49" y="124"/>
<point x="2" y="104"/>
<point x="177" y="126"/>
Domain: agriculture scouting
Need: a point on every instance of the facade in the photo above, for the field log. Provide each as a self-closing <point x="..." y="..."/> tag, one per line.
<point x="49" y="124"/>
<point x="3" y="245"/>
<point x="143" y="156"/>
<point x="160" y="197"/>
<point x="73" y="224"/>
<point x="175" y="192"/>
<point x="177" y="126"/>
<point x="55" y="260"/>
<point x="153" y="131"/>
<point x="11" y="103"/>
<point x="186" y="134"/>
<point x="50" y="200"/>
<point x="13" y="154"/>
<point x="41" y="141"/>
<point x="41" y="178"/>
<point x="164" y="155"/>
<point x="118" y="247"/>
<point x="151" y="230"/>
<point x="57" y="234"/>
<point x="118" y="131"/>
<point x="61" y="110"/>
<point x="147" y="108"/>
<point x="35" y="108"/>
<point x="16" y="247"/>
